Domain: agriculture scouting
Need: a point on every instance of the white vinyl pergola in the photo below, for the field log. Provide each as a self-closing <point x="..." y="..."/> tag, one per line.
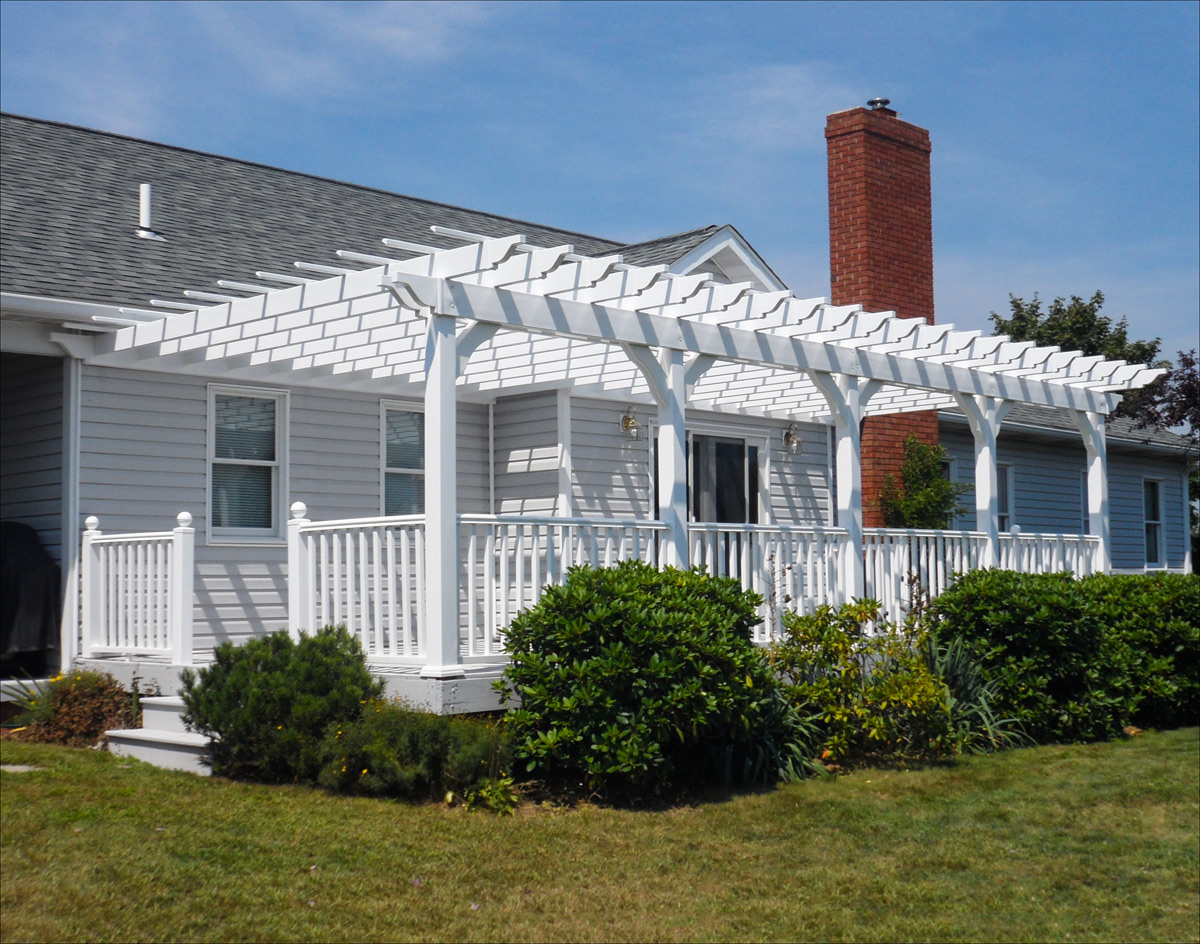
<point x="498" y="314"/>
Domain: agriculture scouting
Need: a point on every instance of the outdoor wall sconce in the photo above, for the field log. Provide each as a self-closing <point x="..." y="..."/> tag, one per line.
<point x="630" y="425"/>
<point x="791" y="439"/>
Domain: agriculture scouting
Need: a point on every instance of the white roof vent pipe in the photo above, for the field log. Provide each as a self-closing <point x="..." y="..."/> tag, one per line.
<point x="145" y="230"/>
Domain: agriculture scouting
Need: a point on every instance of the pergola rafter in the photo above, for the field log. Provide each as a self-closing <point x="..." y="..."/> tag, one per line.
<point x="559" y="315"/>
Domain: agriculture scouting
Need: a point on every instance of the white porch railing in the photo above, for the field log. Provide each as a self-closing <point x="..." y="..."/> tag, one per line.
<point x="369" y="573"/>
<point x="1048" y="553"/>
<point x="366" y="573"/>
<point x="791" y="566"/>
<point x="508" y="560"/>
<point x="892" y="555"/>
<point x="137" y="592"/>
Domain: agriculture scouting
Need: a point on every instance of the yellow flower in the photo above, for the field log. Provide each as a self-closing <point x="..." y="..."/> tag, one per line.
<point x="364" y="773"/>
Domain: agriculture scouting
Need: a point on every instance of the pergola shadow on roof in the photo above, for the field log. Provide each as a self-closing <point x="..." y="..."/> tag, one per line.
<point x="499" y="314"/>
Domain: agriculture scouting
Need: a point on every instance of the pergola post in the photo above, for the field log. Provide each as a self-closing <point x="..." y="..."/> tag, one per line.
<point x="984" y="415"/>
<point x="672" y="459"/>
<point x="441" y="524"/>
<point x="846" y="400"/>
<point x="1091" y="427"/>
<point x="667" y="378"/>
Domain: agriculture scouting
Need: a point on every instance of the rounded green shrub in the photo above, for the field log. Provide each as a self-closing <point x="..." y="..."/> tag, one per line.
<point x="1042" y="641"/>
<point x="632" y="679"/>
<point x="1154" y="621"/>
<point x="266" y="703"/>
<point x="394" y="751"/>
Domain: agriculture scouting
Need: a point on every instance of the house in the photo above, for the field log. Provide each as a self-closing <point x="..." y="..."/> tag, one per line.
<point x="271" y="400"/>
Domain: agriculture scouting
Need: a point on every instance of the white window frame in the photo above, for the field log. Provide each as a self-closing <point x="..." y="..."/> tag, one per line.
<point x="950" y="467"/>
<point x="1161" y="563"/>
<point x="277" y="533"/>
<point x="761" y="439"/>
<point x="396" y="406"/>
<point x="1007" y="493"/>
<point x="1085" y="519"/>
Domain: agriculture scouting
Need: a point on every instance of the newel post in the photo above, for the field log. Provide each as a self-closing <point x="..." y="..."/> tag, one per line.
<point x="92" y="593"/>
<point x="183" y="568"/>
<point x="299" y="572"/>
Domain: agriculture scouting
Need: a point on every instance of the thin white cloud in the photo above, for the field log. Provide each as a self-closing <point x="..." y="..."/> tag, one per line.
<point x="768" y="109"/>
<point x="148" y="69"/>
<point x="323" y="49"/>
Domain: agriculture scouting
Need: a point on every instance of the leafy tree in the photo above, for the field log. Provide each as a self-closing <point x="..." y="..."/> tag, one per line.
<point x="1074" y="325"/>
<point x="1077" y="325"/>
<point x="926" y="499"/>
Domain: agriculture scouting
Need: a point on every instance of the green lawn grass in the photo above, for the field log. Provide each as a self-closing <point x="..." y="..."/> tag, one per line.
<point x="1082" y="843"/>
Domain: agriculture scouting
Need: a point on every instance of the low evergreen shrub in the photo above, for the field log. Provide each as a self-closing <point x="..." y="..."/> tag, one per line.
<point x="632" y="680"/>
<point x="266" y="704"/>
<point x="1154" y="621"/>
<point x="1043" y="644"/>
<point x="396" y="752"/>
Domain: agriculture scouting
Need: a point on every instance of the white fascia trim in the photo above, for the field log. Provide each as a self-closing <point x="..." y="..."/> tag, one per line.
<point x="39" y="306"/>
<point x="728" y="238"/>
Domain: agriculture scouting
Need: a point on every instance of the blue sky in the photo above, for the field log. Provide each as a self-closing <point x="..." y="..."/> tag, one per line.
<point x="1066" y="155"/>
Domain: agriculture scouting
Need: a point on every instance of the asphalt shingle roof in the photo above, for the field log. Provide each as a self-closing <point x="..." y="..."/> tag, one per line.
<point x="1117" y="428"/>
<point x="666" y="249"/>
<point x="69" y="211"/>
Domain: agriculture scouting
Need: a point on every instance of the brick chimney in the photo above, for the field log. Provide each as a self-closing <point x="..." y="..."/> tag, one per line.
<point x="881" y="254"/>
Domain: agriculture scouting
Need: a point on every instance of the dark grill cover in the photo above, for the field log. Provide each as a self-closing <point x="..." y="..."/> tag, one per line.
<point x="29" y="598"/>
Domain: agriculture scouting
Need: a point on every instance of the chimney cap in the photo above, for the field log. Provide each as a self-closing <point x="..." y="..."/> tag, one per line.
<point x="879" y="103"/>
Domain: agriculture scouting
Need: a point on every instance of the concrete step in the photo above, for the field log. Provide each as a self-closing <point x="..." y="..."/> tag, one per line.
<point x="163" y="713"/>
<point x="172" y="750"/>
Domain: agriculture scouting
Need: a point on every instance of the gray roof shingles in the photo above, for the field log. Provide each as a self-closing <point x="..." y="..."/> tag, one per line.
<point x="69" y="211"/>
<point x="1117" y="428"/>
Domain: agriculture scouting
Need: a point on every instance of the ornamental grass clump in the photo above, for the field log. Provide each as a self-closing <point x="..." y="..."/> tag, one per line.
<point x="75" y="709"/>
<point x="266" y="704"/>
<point x="634" y="680"/>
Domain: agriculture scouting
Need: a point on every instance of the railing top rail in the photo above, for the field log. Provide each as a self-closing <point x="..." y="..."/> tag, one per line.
<point x="648" y="524"/>
<point x="378" y="522"/>
<point x="1049" y="535"/>
<point x="924" y="532"/>
<point x="133" y="537"/>
<point x="708" y="526"/>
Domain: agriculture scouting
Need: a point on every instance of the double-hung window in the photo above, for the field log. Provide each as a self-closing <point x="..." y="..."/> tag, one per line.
<point x="1004" y="503"/>
<point x="403" y="461"/>
<point x="1152" y="516"/>
<point x="246" y="461"/>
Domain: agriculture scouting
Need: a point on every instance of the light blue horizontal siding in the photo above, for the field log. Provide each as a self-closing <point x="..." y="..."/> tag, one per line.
<point x="1047" y="496"/>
